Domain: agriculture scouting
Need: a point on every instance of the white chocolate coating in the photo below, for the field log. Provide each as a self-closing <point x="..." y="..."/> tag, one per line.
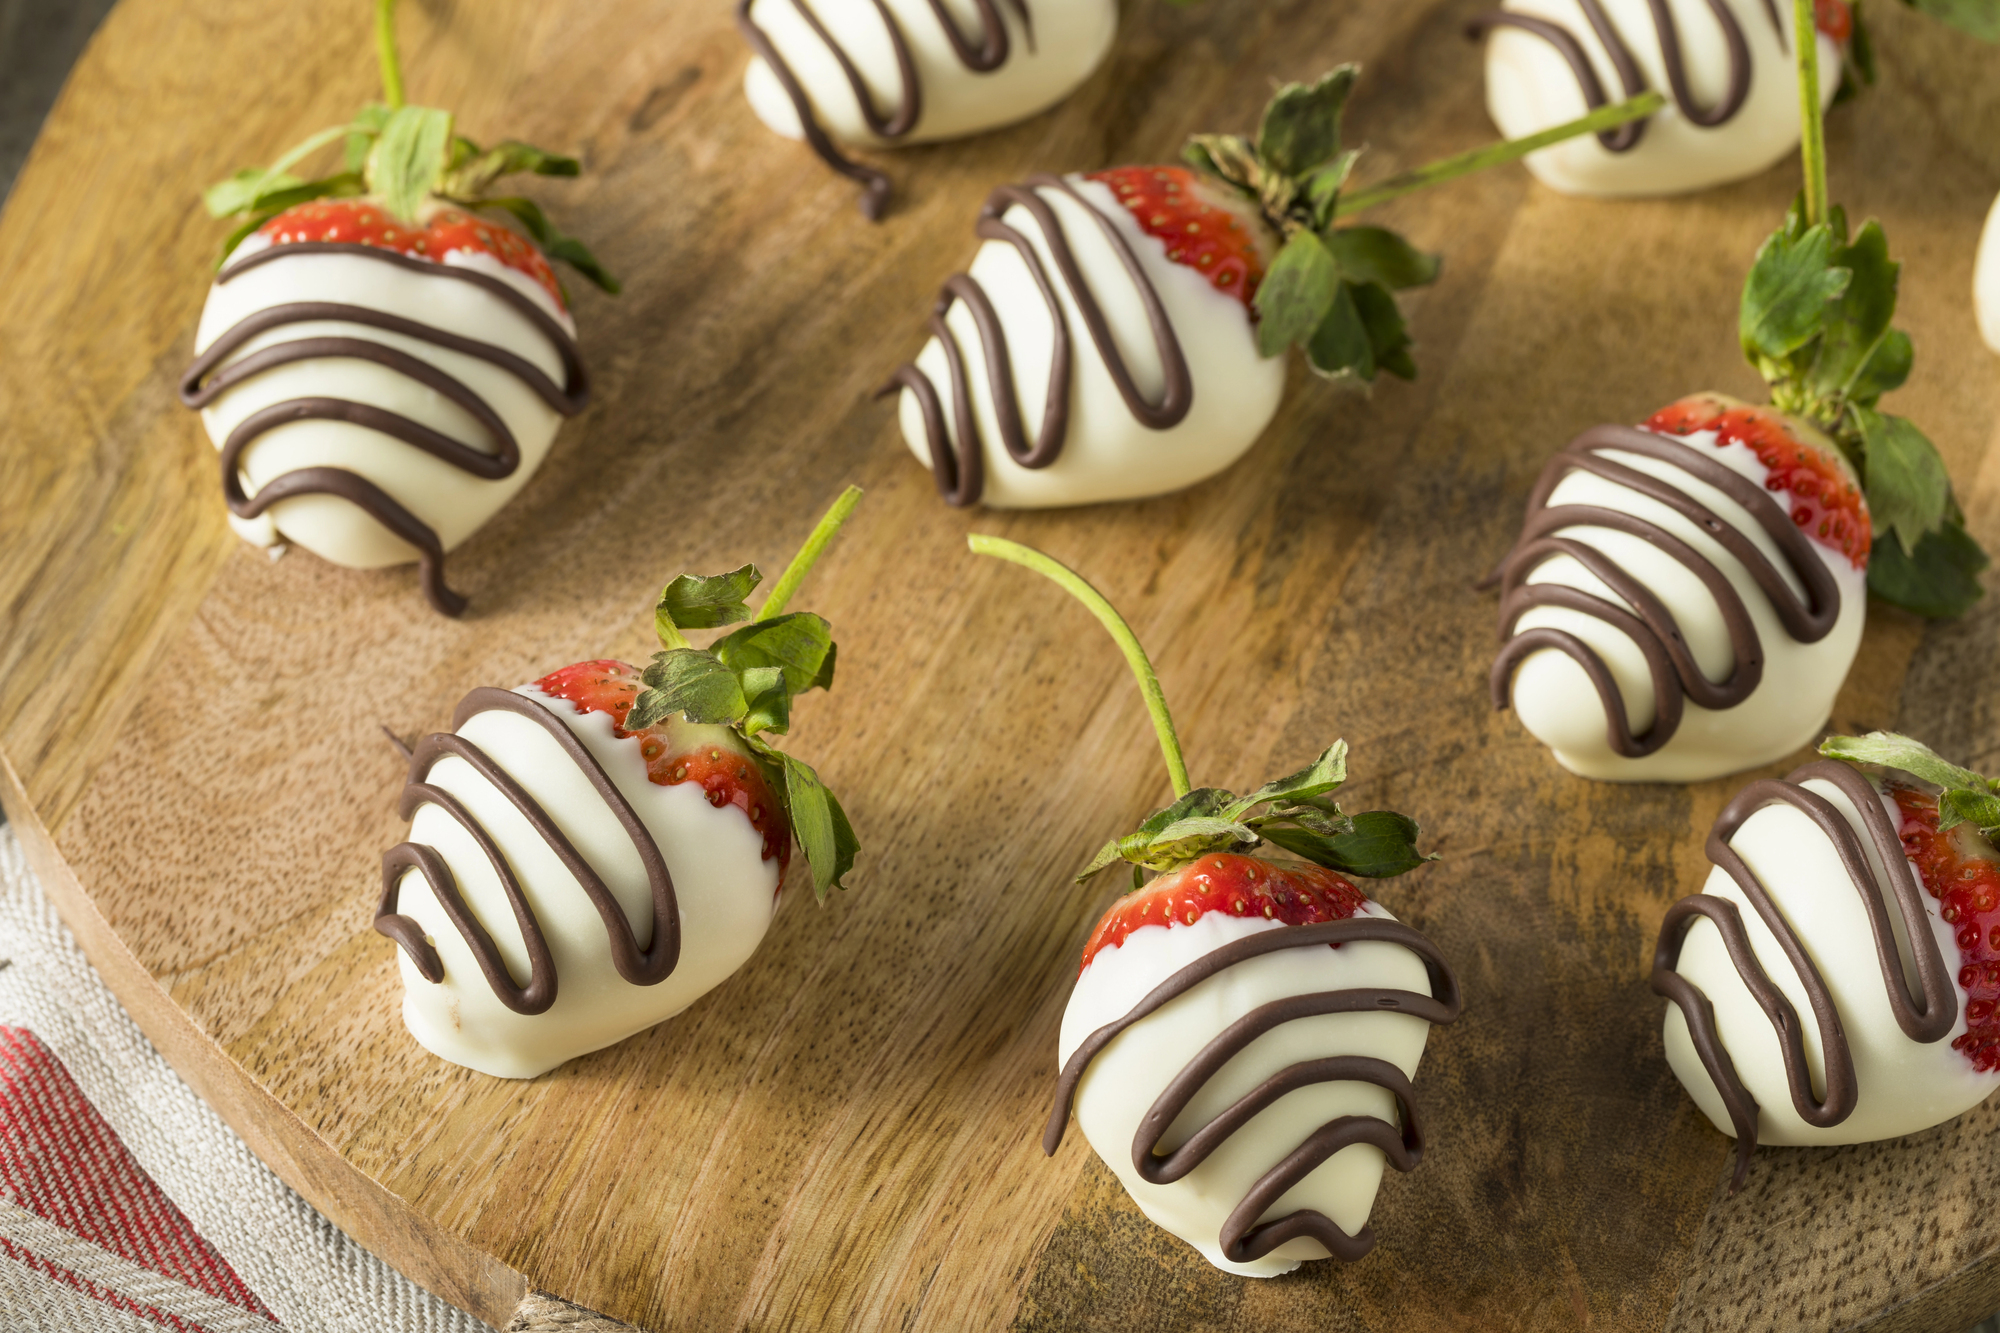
<point x="1530" y="87"/>
<point x="1986" y="280"/>
<point x="1108" y="454"/>
<point x="1902" y="1085"/>
<point x="726" y="890"/>
<point x="1069" y="38"/>
<point x="1130" y="1073"/>
<point x="1555" y="700"/>
<point x="451" y="502"/>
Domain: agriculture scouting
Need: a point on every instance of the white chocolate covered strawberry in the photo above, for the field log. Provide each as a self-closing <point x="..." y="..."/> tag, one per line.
<point x="591" y="853"/>
<point x="1122" y="333"/>
<point x="1835" y="980"/>
<point x="878" y="73"/>
<point x="381" y="364"/>
<point x="1686" y="597"/>
<point x="1241" y="1039"/>
<point x="1728" y="66"/>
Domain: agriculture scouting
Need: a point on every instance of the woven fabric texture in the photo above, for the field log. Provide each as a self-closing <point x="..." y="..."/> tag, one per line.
<point x="125" y="1201"/>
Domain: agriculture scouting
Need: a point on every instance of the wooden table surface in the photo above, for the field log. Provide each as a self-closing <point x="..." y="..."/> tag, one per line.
<point x="846" y="1133"/>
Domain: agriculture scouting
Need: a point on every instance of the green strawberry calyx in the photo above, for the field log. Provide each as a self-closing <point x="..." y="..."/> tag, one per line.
<point x="1816" y="321"/>
<point x="746" y="680"/>
<point x="1296" y="813"/>
<point x="1331" y="289"/>
<point x="404" y="156"/>
<point x="1964" y="797"/>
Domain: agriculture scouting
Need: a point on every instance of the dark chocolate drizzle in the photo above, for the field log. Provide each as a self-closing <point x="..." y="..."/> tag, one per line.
<point x="641" y="967"/>
<point x="1676" y="676"/>
<point x="1242" y="1238"/>
<point x="207" y="378"/>
<point x="1626" y="137"/>
<point x="1925" y="1017"/>
<point x="961" y="476"/>
<point x="989" y="54"/>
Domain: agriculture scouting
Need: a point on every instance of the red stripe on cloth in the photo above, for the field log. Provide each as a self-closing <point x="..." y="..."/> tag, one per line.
<point x="60" y="1160"/>
<point x="97" y="1291"/>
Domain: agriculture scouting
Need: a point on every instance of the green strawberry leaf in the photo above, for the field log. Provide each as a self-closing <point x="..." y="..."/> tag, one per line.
<point x="708" y="601"/>
<point x="1858" y="320"/>
<point x="361" y="135"/>
<point x="1981" y="18"/>
<point x="1110" y="854"/>
<point x="1386" y="331"/>
<point x="1940" y="579"/>
<point x="241" y="192"/>
<point x="1301" y="126"/>
<point x="479" y="168"/>
<point x="248" y="190"/>
<point x="799" y="643"/>
<point x="1909" y="492"/>
<point x="1296" y="294"/>
<point x="1382" y="846"/>
<point x="1322" y="191"/>
<point x="687" y="680"/>
<point x="553" y="243"/>
<point x="1341" y="348"/>
<point x="1965" y="798"/>
<point x="1885" y="369"/>
<point x="769" y="701"/>
<point x="819" y="824"/>
<point x="1981" y="809"/>
<point x="1187" y="840"/>
<point x="1321" y="776"/>
<point x="1376" y="254"/>
<point x="409" y="156"/>
<point x="1892" y="750"/>
<point x="1785" y="297"/>
<point x="1229" y="158"/>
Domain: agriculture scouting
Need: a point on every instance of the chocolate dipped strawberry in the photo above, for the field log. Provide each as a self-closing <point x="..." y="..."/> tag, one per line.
<point x="1686" y="596"/>
<point x="1835" y="980"/>
<point x="591" y="853"/>
<point x="383" y="361"/>
<point x="824" y="72"/>
<point x="1241" y="1039"/>
<point x="1121" y="333"/>
<point x="1735" y="105"/>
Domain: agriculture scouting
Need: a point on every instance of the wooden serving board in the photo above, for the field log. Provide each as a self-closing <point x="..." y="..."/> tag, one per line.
<point x="846" y="1133"/>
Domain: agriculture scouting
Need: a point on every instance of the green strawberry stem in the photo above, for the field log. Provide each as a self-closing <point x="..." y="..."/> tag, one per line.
<point x="1128" y="642"/>
<point x="385" y="53"/>
<point x="1493" y="155"/>
<point x="1812" y="126"/>
<point x="808" y="556"/>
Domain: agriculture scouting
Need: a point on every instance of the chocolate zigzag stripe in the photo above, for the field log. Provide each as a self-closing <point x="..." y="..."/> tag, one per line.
<point x="960" y="475"/>
<point x="1676" y="675"/>
<point x="1626" y="137"/>
<point x="208" y="377"/>
<point x="1242" y="1238"/>
<point x="1926" y="1018"/>
<point x="987" y="56"/>
<point x="647" y="967"/>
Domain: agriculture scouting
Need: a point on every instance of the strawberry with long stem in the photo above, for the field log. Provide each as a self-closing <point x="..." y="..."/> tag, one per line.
<point x="1236" y="255"/>
<point x="410" y="162"/>
<point x="1816" y="320"/>
<point x="1242" y="938"/>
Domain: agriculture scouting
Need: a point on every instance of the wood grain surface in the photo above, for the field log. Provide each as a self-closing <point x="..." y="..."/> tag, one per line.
<point x="845" y="1134"/>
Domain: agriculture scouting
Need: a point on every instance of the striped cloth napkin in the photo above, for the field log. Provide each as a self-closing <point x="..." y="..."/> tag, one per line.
<point x="128" y="1206"/>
